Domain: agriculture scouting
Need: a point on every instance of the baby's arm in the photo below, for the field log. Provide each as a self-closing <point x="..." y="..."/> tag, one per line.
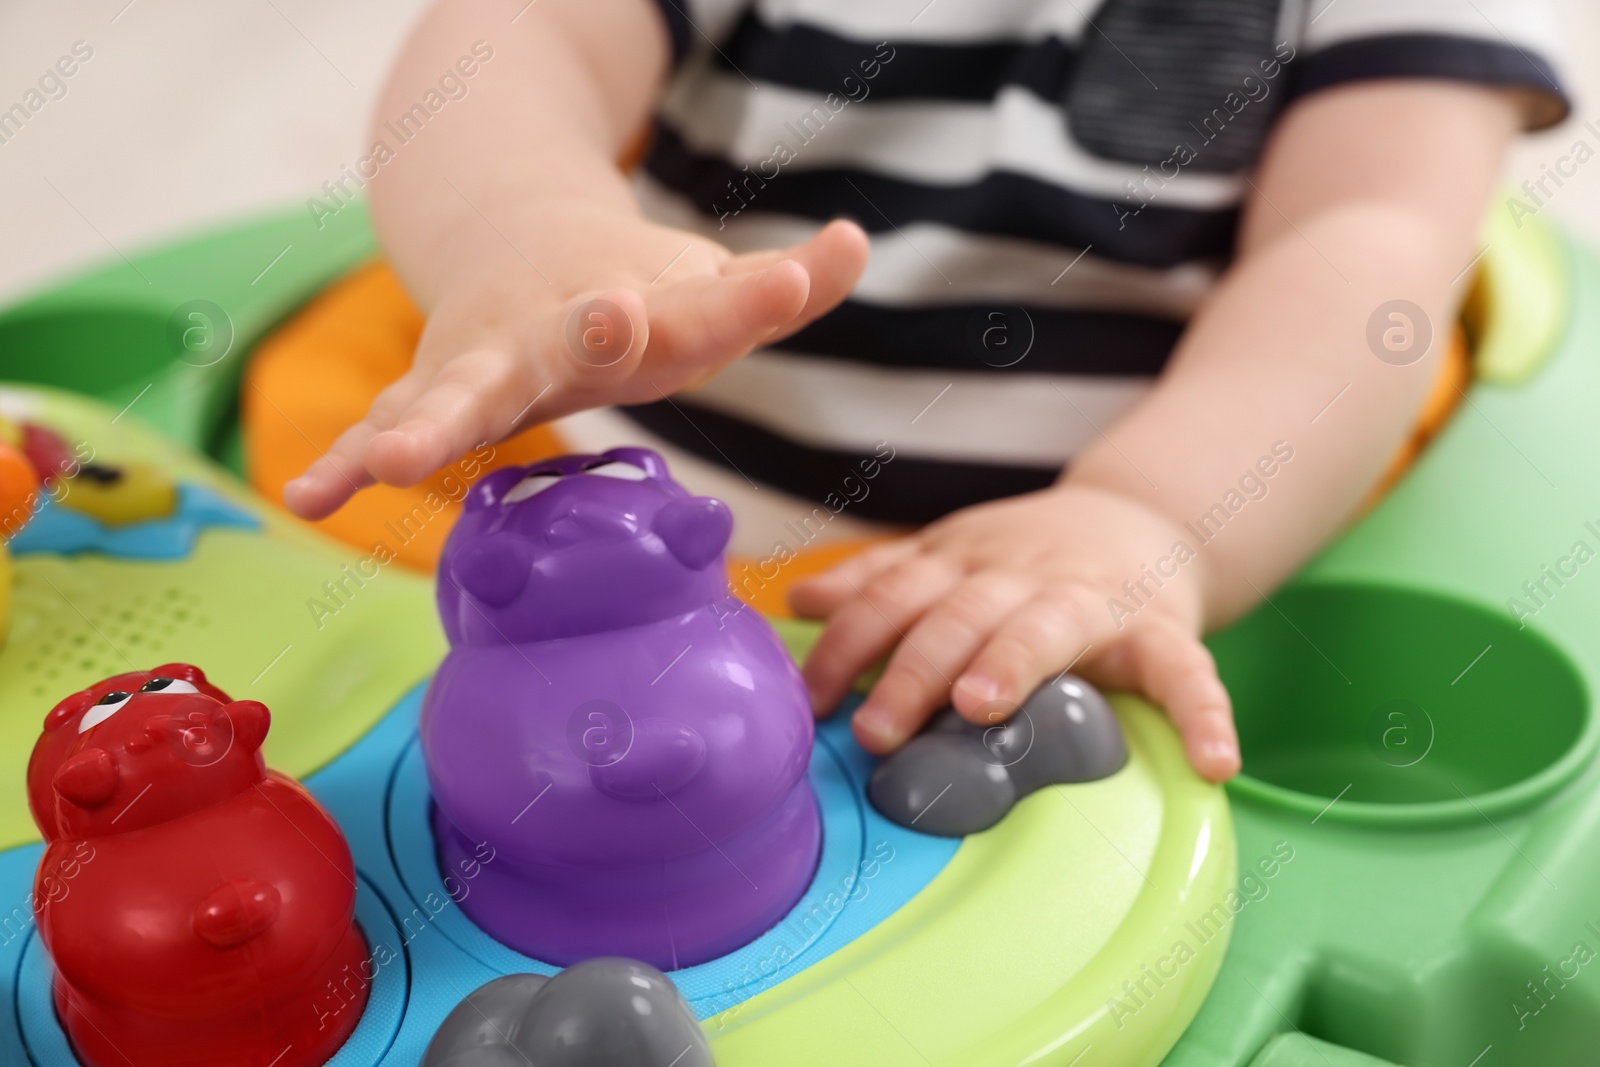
<point x="1367" y="194"/>
<point x="507" y="212"/>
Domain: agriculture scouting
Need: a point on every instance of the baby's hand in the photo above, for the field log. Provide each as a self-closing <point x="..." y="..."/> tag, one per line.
<point x="987" y="603"/>
<point x="608" y="309"/>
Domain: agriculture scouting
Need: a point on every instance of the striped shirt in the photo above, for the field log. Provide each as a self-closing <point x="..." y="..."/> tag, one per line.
<point x="1050" y="188"/>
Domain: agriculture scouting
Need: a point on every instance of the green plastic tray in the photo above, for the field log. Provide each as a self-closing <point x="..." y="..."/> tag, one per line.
<point x="1428" y="748"/>
<point x="167" y="333"/>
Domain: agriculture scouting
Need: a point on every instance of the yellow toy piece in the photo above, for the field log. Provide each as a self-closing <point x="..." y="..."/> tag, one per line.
<point x="120" y="493"/>
<point x="1516" y="311"/>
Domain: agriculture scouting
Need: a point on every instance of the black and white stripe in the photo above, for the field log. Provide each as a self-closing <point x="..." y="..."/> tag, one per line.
<point x="1035" y="247"/>
<point x="911" y="489"/>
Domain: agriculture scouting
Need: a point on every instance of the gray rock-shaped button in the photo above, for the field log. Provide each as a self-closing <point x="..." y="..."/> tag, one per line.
<point x="957" y="778"/>
<point x="603" y="1012"/>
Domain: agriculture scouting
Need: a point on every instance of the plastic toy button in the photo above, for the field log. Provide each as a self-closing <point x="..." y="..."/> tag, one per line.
<point x="957" y="777"/>
<point x="120" y="494"/>
<point x="210" y="899"/>
<point x="599" y="1013"/>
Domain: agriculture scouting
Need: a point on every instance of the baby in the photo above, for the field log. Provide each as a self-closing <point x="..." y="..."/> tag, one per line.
<point x="1099" y="333"/>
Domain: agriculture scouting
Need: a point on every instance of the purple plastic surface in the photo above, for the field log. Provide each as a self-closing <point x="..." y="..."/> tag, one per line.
<point x="630" y="740"/>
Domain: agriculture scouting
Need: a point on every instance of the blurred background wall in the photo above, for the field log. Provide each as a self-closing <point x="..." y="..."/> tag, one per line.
<point x="194" y="112"/>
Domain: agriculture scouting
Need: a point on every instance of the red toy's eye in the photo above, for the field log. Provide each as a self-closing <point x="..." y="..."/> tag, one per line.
<point x="103" y="709"/>
<point x="167" y="685"/>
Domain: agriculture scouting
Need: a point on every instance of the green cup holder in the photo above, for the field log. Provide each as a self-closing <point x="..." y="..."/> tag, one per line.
<point x="1379" y="704"/>
<point x="112" y="347"/>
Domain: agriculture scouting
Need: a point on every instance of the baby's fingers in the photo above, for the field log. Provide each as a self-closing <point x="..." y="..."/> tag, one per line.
<point x="704" y="322"/>
<point x="488" y="392"/>
<point x="1158" y="657"/>
<point x="1170" y="666"/>
<point x="341" y="471"/>
<point x="833" y="259"/>
<point x="863" y="630"/>
<point x="818" y="596"/>
<point x="1036" y="642"/>
<point x="469" y="401"/>
<point x="917" y="681"/>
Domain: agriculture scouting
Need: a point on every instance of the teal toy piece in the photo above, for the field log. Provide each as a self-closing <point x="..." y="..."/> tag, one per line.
<point x="54" y="528"/>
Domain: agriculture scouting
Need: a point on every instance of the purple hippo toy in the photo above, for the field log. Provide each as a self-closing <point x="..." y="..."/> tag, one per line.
<point x="629" y="738"/>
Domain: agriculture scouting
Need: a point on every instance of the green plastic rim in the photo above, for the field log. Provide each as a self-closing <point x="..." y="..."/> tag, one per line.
<point x="1389" y="706"/>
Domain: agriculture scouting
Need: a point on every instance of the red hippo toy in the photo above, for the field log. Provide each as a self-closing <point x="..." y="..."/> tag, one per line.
<point x="216" y="905"/>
